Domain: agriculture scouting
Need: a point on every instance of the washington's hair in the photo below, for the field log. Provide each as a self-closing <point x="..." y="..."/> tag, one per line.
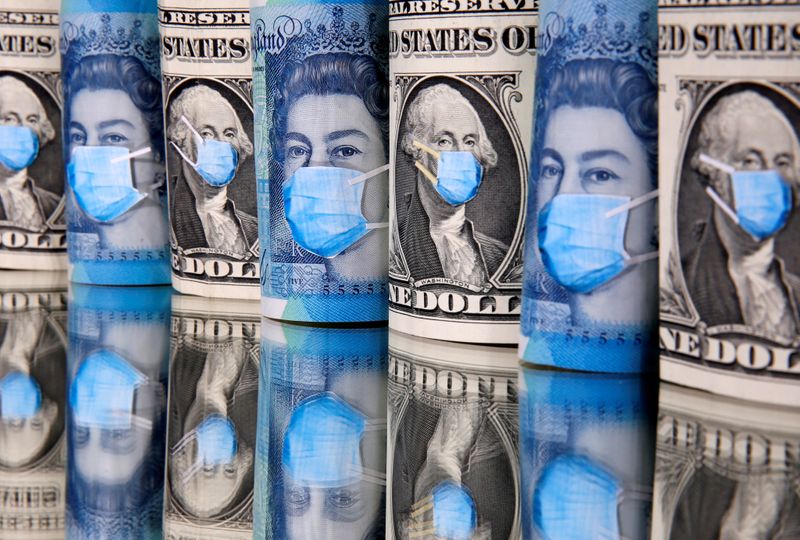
<point x="417" y="124"/>
<point x="10" y="85"/>
<point x="623" y="86"/>
<point x="186" y="104"/>
<point x="126" y="73"/>
<point x="330" y="74"/>
<point x="717" y="137"/>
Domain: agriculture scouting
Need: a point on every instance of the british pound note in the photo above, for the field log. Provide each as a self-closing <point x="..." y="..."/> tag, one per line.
<point x="33" y="407"/>
<point x="452" y="456"/>
<point x="321" y="452"/>
<point x="208" y="117"/>
<point x="725" y="468"/>
<point x="211" y="432"/>
<point x="116" y="389"/>
<point x="730" y="172"/>
<point x="32" y="227"/>
<point x="113" y="131"/>
<point x="322" y="119"/>
<point x="462" y="101"/>
<point x="587" y="446"/>
<point x="589" y="297"/>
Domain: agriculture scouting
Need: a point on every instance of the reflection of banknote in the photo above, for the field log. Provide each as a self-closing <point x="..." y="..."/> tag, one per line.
<point x="321" y="98"/>
<point x="114" y="143"/>
<point x="32" y="230"/>
<point x="452" y="457"/>
<point x="589" y="297"/>
<point x="205" y="58"/>
<point x="730" y="161"/>
<point x="32" y="404"/>
<point x="116" y="388"/>
<point x="321" y="449"/>
<point x="587" y="454"/>
<point x="212" y="421"/>
<point x="725" y="468"/>
<point x="462" y="83"/>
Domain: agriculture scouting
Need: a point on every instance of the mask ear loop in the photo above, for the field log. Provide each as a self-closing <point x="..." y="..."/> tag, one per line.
<point x="370" y="475"/>
<point x="363" y="178"/>
<point x="148" y="190"/>
<point x="422" y="168"/>
<point x="724" y="167"/>
<point x="198" y="140"/>
<point x="641" y="494"/>
<point x="633" y="203"/>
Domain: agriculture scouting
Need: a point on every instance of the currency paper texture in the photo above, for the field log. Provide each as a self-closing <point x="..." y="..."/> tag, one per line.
<point x="725" y="468"/>
<point x="321" y="467"/>
<point x="587" y="446"/>
<point x="589" y="299"/>
<point x="33" y="339"/>
<point x="462" y="101"/>
<point x="113" y="130"/>
<point x="117" y="394"/>
<point x="207" y="79"/>
<point x="730" y="178"/>
<point x="213" y="397"/>
<point x="452" y="460"/>
<point x="322" y="105"/>
<point x="32" y="228"/>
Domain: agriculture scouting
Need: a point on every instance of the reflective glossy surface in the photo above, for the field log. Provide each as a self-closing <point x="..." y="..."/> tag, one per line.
<point x="140" y="413"/>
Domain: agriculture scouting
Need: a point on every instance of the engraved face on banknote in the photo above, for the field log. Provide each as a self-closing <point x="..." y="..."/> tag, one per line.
<point x="591" y="271"/>
<point x="332" y="113"/>
<point x="211" y="211"/>
<point x="31" y="183"/>
<point x="738" y="184"/>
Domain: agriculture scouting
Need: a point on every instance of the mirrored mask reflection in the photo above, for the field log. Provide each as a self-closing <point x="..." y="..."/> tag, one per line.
<point x="212" y="432"/>
<point x="118" y="351"/>
<point x="452" y="440"/>
<point x="32" y="402"/>
<point x="321" y="433"/>
<point x="725" y="469"/>
<point x="586" y="449"/>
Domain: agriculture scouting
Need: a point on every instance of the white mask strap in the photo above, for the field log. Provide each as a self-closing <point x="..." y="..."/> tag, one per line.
<point x="722" y="204"/>
<point x="426" y="148"/>
<point x="633" y="203"/>
<point x="717" y="164"/>
<point x="191" y="127"/>
<point x="134" y="154"/>
<point x="369" y="174"/>
<point x="644" y="257"/>
<point x="422" y="168"/>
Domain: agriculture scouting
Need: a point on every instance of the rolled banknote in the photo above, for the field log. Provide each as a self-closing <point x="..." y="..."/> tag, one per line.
<point x="321" y="467"/>
<point x="32" y="404"/>
<point x="730" y="172"/>
<point x="32" y="228"/>
<point x="114" y="143"/>
<point x="322" y="118"/>
<point x="725" y="468"/>
<point x="213" y="396"/>
<point x="587" y="446"/>
<point x="589" y="300"/>
<point x="462" y="86"/>
<point x="116" y="388"/>
<point x="205" y="60"/>
<point x="453" y="462"/>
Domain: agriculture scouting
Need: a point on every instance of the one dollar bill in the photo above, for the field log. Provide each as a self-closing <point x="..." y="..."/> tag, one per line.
<point x="462" y="87"/>
<point x="729" y="110"/>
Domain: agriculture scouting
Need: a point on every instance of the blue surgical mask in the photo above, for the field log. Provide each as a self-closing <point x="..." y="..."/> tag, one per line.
<point x="454" y="514"/>
<point x="323" y="208"/>
<point x="20" y="396"/>
<point x="102" y="181"/>
<point x="216" y="160"/>
<point x="763" y="199"/>
<point x="216" y="440"/>
<point x="101" y="395"/>
<point x="576" y="498"/>
<point x="458" y="174"/>
<point x="582" y="239"/>
<point x="19" y="147"/>
<point x="321" y="445"/>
